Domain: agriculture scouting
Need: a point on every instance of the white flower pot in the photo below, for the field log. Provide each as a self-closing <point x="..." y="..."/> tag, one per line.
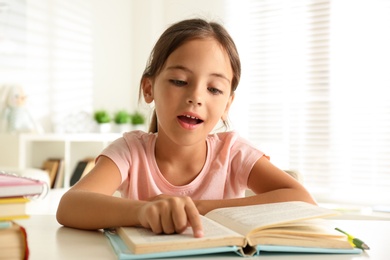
<point x="104" y="128"/>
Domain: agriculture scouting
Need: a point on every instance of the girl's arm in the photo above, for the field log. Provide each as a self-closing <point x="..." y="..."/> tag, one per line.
<point x="269" y="183"/>
<point x="89" y="204"/>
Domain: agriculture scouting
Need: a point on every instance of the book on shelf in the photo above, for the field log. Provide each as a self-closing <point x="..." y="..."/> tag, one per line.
<point x="55" y="169"/>
<point x="13" y="241"/>
<point x="59" y="180"/>
<point x="12" y="185"/>
<point x="247" y="231"/>
<point x="83" y="167"/>
<point x="13" y="208"/>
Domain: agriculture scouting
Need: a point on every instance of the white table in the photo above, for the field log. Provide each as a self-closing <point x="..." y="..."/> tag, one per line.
<point x="49" y="240"/>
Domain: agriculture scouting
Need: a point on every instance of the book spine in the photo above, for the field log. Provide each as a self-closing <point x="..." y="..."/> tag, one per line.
<point x="25" y="242"/>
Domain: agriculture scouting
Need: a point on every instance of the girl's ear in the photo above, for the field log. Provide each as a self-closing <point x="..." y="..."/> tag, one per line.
<point x="147" y="90"/>
<point x="229" y="103"/>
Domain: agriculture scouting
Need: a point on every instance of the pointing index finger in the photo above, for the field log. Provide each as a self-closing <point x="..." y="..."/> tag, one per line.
<point x="195" y="221"/>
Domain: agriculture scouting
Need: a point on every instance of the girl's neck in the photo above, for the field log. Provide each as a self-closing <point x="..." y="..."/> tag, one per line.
<point x="180" y="164"/>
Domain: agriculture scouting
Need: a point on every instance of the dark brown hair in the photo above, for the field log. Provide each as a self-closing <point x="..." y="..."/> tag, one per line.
<point x="180" y="33"/>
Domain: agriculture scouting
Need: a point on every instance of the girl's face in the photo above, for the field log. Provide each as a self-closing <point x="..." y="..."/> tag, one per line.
<point x="192" y="92"/>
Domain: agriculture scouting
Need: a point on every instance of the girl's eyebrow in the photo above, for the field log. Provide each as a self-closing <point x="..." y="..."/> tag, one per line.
<point x="180" y="67"/>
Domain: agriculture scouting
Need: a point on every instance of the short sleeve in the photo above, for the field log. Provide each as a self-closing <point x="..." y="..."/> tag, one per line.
<point x="119" y="153"/>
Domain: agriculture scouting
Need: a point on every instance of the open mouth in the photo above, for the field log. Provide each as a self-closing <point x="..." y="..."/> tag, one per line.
<point x="190" y="119"/>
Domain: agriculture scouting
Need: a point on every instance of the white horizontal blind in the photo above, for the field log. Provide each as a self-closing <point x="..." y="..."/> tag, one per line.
<point x="299" y="109"/>
<point x="12" y="39"/>
<point x="51" y="57"/>
<point x="360" y="94"/>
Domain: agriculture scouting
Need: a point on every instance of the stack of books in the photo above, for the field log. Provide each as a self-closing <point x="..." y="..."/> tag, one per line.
<point x="13" y="241"/>
<point x="15" y="193"/>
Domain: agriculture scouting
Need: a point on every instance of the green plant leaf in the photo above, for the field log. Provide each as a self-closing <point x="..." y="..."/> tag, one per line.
<point x="137" y="119"/>
<point x="122" y="117"/>
<point x="102" y="116"/>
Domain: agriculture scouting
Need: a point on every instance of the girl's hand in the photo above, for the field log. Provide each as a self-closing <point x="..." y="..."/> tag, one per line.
<point x="170" y="214"/>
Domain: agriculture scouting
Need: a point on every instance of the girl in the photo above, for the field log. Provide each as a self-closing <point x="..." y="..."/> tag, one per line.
<point x="178" y="170"/>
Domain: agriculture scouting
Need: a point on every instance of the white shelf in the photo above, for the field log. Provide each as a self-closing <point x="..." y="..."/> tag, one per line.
<point x="83" y="137"/>
<point x="31" y="150"/>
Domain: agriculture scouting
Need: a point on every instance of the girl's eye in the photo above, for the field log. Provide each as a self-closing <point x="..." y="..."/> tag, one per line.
<point x="214" y="91"/>
<point x="177" y="82"/>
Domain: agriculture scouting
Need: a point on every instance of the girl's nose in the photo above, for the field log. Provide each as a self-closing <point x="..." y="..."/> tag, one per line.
<point x="195" y="97"/>
<point x="194" y="101"/>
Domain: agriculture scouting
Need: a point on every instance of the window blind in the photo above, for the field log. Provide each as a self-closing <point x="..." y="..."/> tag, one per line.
<point x="51" y="57"/>
<point x="315" y="94"/>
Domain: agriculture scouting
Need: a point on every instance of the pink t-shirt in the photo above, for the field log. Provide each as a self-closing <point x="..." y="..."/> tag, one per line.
<point x="225" y="174"/>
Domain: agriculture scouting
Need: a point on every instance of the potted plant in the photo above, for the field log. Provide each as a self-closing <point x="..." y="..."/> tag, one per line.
<point x="103" y="118"/>
<point x="122" y="120"/>
<point x="138" y="121"/>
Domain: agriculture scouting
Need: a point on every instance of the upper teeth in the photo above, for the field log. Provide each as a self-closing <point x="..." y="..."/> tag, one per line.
<point x="192" y="117"/>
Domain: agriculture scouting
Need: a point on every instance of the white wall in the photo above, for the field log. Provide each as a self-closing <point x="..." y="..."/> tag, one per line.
<point x="112" y="54"/>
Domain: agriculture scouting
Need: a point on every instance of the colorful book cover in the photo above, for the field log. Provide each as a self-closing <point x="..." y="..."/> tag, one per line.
<point x="12" y="185"/>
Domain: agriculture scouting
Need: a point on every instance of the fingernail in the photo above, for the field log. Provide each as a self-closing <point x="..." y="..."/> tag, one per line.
<point x="199" y="233"/>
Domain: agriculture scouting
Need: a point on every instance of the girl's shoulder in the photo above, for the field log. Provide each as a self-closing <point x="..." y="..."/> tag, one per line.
<point x="230" y="139"/>
<point x="134" y="140"/>
<point x="227" y="137"/>
<point x="223" y="136"/>
<point x="139" y="136"/>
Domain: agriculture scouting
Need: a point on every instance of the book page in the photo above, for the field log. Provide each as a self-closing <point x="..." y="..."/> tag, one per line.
<point x="142" y="240"/>
<point x="246" y="219"/>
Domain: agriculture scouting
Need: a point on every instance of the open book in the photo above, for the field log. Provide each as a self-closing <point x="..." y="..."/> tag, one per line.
<point x="283" y="227"/>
